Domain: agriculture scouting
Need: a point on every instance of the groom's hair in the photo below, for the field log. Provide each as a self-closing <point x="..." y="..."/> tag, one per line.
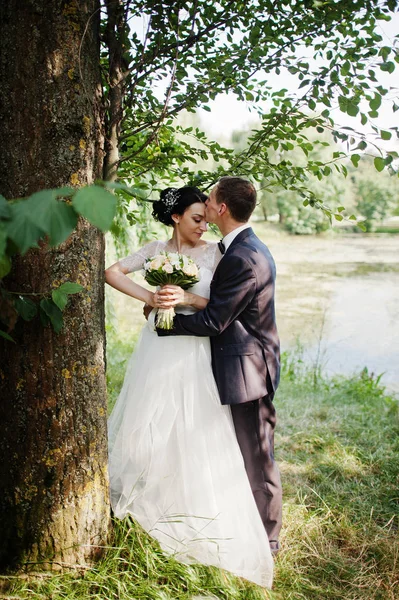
<point x="239" y="195"/>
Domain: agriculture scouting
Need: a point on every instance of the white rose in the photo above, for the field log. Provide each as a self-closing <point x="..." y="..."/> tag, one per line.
<point x="175" y="263"/>
<point x="191" y="270"/>
<point x="174" y="259"/>
<point x="167" y="268"/>
<point x="157" y="262"/>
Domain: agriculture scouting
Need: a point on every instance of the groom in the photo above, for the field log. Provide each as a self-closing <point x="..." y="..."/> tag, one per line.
<point x="240" y="321"/>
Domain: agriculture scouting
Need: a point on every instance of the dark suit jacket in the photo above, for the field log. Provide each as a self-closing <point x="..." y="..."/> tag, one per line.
<point x="240" y="320"/>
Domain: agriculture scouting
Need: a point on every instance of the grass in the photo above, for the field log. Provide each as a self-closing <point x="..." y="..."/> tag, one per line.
<point x="135" y="568"/>
<point x="393" y="229"/>
<point x="337" y="447"/>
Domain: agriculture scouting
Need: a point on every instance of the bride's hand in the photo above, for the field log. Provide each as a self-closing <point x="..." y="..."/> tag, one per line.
<point x="169" y="296"/>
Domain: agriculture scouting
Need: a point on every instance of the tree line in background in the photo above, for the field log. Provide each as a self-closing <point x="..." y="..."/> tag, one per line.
<point x="95" y="100"/>
<point x="362" y="193"/>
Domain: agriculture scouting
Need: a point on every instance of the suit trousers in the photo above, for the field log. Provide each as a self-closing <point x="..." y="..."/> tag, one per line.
<point x="254" y="423"/>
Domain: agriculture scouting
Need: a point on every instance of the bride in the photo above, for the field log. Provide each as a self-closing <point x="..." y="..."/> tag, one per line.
<point x="174" y="460"/>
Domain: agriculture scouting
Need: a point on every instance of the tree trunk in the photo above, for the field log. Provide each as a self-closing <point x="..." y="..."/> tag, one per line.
<point x="54" y="508"/>
<point x="264" y="211"/>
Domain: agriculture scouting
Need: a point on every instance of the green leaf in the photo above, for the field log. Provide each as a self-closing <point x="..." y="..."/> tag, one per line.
<point x="25" y="307"/>
<point x="43" y="317"/>
<point x="53" y="313"/>
<point x="388" y="67"/>
<point x="345" y="68"/>
<point x="57" y="218"/>
<point x="5" y="265"/>
<point x="135" y="192"/>
<point x="3" y="238"/>
<point x="338" y="217"/>
<point x="60" y="294"/>
<point x="343" y="103"/>
<point x="22" y="229"/>
<point x="355" y="159"/>
<point x="352" y="109"/>
<point x="97" y="205"/>
<point x="362" y="145"/>
<point x="379" y="163"/>
<point x="59" y="298"/>
<point x="375" y="103"/>
<point x="386" y="135"/>
<point x="5" y="212"/>
<point x="5" y="335"/>
<point x="64" y="192"/>
<point x="385" y="51"/>
<point x="362" y="226"/>
<point x="69" y="287"/>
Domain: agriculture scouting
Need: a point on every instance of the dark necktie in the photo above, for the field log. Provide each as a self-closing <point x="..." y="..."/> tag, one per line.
<point x="221" y="247"/>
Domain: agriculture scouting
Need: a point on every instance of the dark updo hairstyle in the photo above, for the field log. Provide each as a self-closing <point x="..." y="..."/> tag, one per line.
<point x="174" y="201"/>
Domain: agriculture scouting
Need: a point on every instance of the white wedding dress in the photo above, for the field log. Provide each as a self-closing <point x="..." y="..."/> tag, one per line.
<point x="174" y="461"/>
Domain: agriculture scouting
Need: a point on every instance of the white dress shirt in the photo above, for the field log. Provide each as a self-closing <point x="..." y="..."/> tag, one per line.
<point x="230" y="236"/>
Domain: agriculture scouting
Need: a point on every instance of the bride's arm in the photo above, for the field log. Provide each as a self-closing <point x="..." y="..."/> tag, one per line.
<point x="172" y="295"/>
<point x="116" y="277"/>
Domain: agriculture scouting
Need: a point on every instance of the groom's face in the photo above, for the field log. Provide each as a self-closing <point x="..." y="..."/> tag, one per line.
<point x="212" y="208"/>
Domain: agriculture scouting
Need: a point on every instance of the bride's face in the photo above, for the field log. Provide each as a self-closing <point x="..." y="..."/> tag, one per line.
<point x="191" y="224"/>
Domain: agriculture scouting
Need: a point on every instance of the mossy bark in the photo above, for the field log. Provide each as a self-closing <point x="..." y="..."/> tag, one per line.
<point x="54" y="508"/>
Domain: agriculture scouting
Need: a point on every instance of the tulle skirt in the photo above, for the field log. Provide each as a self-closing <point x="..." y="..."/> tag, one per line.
<point x="175" y="464"/>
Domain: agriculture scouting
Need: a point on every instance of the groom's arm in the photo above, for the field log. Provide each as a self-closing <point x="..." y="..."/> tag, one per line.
<point x="234" y="290"/>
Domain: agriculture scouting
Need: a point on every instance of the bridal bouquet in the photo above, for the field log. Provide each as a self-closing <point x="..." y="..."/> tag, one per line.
<point x="170" y="267"/>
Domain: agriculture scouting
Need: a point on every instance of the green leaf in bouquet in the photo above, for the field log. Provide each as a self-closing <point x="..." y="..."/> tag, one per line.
<point x="156" y="278"/>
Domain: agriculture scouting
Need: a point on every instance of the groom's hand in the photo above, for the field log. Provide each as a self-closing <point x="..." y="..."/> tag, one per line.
<point x="170" y="296"/>
<point x="146" y="310"/>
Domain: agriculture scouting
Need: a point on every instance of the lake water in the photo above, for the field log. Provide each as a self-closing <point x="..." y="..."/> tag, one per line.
<point x="339" y="295"/>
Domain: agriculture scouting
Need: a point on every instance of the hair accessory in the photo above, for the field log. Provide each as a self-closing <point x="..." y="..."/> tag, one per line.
<point x="171" y="198"/>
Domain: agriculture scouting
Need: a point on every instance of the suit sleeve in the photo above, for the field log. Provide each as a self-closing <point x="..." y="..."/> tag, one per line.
<point x="234" y="289"/>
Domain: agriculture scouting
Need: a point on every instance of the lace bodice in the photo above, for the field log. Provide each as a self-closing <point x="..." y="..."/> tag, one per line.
<point x="206" y="256"/>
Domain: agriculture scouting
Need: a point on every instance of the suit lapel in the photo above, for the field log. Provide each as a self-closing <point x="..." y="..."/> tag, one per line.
<point x="243" y="235"/>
